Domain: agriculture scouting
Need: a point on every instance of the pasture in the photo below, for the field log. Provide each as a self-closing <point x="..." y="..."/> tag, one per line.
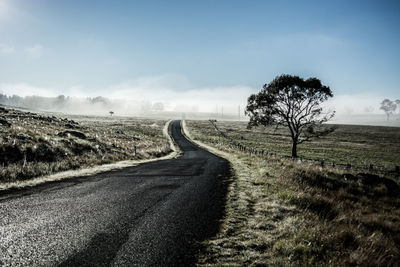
<point x="283" y="213"/>
<point x="35" y="144"/>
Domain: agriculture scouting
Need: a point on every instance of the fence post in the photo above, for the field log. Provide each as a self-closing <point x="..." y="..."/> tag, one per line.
<point x="371" y="167"/>
<point x="322" y="163"/>
<point x="134" y="151"/>
<point x="333" y="164"/>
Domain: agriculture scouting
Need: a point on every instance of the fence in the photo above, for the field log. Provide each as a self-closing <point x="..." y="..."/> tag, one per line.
<point x="264" y="153"/>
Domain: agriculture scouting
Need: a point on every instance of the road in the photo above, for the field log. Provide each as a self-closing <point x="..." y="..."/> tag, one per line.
<point x="153" y="214"/>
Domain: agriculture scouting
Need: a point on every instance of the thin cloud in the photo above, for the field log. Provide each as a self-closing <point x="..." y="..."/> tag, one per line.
<point x="34" y="51"/>
<point x="6" y="49"/>
<point x="6" y="9"/>
<point x="25" y="89"/>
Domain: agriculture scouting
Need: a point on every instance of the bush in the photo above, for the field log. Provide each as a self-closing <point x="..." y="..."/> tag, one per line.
<point x="44" y="153"/>
<point x="10" y="154"/>
<point x="79" y="148"/>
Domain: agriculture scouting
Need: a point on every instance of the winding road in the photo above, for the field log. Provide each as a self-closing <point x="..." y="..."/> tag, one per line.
<point x="153" y="214"/>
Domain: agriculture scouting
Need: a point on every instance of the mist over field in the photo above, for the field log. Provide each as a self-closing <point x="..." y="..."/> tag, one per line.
<point x="156" y="94"/>
<point x="148" y="96"/>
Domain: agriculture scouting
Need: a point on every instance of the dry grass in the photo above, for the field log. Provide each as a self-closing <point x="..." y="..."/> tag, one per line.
<point x="354" y="144"/>
<point x="38" y="144"/>
<point x="280" y="212"/>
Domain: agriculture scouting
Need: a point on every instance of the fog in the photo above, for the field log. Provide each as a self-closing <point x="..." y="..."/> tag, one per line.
<point x="163" y="96"/>
<point x="130" y="98"/>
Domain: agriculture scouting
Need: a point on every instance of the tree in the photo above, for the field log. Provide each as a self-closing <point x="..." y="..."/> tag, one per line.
<point x="59" y="102"/>
<point x="158" y="106"/>
<point x="397" y="101"/>
<point x="100" y="100"/>
<point x="111" y="113"/>
<point x="292" y="102"/>
<point x="388" y="107"/>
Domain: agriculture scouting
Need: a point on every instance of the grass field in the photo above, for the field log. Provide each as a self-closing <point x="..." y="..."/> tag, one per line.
<point x="283" y="213"/>
<point x="35" y="144"/>
<point x="357" y="145"/>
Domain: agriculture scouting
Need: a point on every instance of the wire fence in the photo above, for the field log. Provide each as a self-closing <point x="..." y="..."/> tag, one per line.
<point x="373" y="168"/>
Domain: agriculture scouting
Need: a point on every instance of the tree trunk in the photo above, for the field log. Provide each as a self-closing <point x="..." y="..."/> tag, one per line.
<point x="294" y="149"/>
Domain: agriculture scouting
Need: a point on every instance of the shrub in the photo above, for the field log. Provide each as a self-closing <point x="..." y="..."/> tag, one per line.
<point x="10" y="154"/>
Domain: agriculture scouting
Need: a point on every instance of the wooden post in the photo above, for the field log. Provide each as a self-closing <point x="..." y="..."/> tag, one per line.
<point x="134" y="152"/>
<point x="371" y="167"/>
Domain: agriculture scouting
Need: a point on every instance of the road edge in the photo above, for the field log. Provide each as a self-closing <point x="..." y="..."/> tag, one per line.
<point x="176" y="152"/>
<point x="234" y="176"/>
<point x="210" y="149"/>
<point x="233" y="161"/>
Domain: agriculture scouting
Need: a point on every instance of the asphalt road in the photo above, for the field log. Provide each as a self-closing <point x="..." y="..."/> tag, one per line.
<point x="153" y="214"/>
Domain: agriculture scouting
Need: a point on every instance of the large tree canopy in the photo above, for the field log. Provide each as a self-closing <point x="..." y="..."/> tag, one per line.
<point x="293" y="102"/>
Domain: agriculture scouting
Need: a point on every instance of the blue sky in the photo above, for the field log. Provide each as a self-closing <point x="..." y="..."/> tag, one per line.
<point x="154" y="48"/>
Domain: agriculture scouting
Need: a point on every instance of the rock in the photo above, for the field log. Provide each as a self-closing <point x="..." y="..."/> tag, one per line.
<point x="4" y="122"/>
<point x="73" y="133"/>
<point x="70" y="126"/>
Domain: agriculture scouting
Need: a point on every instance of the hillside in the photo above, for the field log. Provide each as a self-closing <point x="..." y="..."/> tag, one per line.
<point x="35" y="144"/>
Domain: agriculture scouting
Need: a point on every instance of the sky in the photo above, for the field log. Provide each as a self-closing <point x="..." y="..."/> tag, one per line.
<point x="200" y="53"/>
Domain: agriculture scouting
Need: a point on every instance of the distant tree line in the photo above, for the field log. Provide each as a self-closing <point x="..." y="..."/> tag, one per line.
<point x="390" y="107"/>
<point x="39" y="102"/>
<point x="88" y="105"/>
